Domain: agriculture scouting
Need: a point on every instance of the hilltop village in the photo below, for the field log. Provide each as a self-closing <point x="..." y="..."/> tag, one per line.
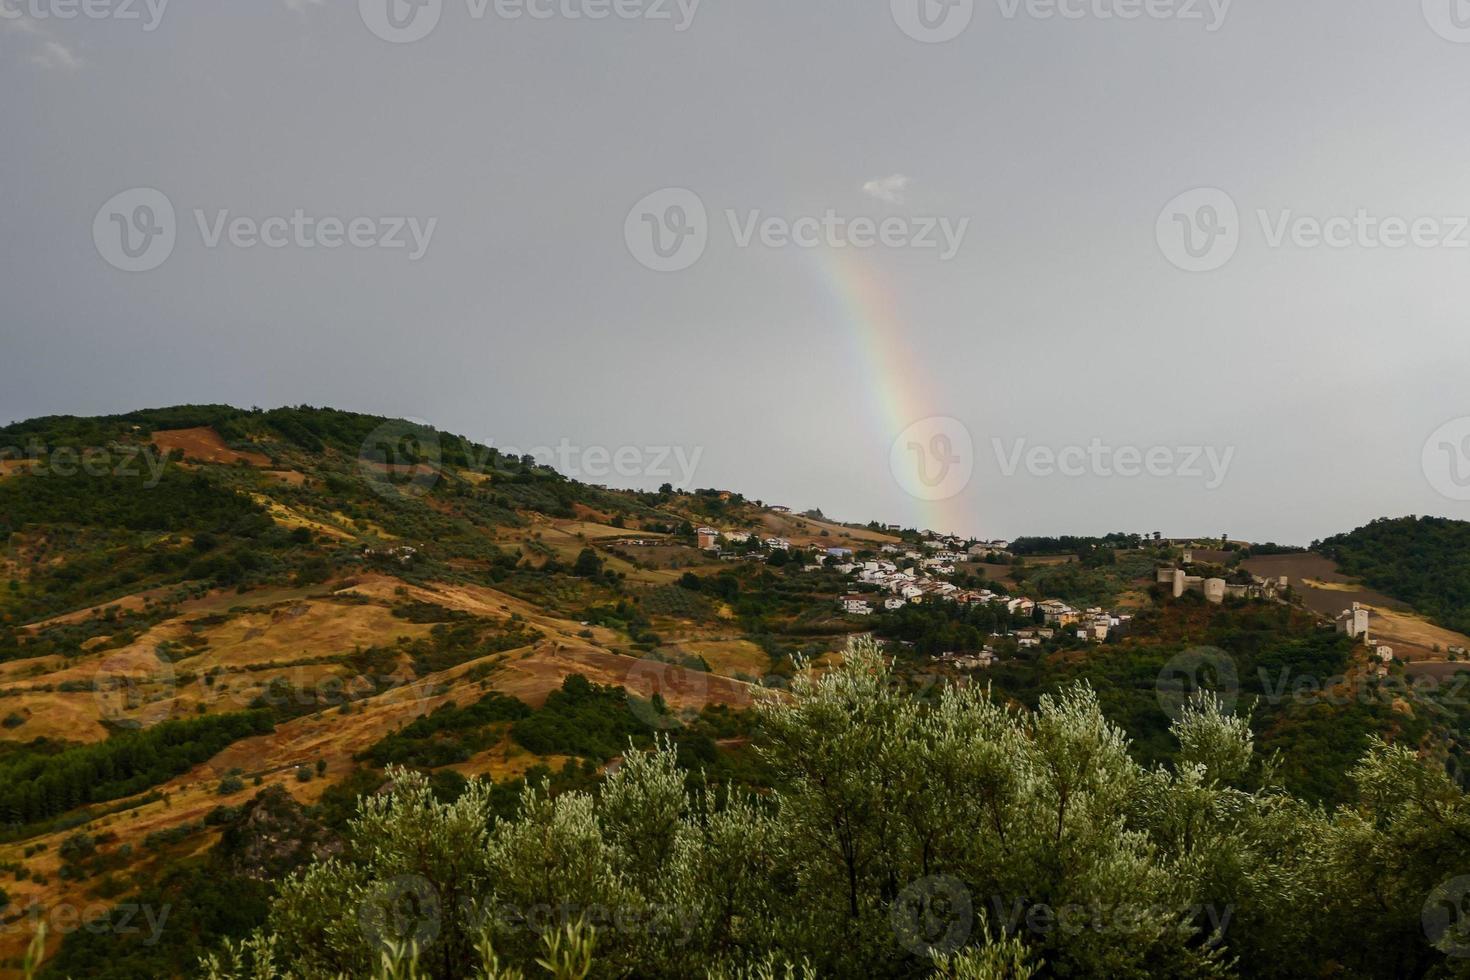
<point x="933" y="569"/>
<point x="925" y="571"/>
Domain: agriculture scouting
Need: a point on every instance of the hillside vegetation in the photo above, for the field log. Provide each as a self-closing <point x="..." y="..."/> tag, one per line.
<point x="293" y="674"/>
<point x="961" y="840"/>
<point x="1424" y="561"/>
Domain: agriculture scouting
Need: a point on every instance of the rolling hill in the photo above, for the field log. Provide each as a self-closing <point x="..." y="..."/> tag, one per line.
<point x="217" y="622"/>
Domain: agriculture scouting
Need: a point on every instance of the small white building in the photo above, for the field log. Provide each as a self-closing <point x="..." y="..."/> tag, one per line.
<point x="1354" y="622"/>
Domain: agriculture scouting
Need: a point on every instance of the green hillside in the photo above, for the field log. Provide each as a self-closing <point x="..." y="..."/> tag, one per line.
<point x="1424" y="561"/>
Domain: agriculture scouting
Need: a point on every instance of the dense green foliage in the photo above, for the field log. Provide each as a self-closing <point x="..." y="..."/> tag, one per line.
<point x="1095" y="579"/>
<point x="449" y="734"/>
<point x="35" y="787"/>
<point x="1291" y="673"/>
<point x="868" y="801"/>
<point x="1424" y="561"/>
<point x="179" y="501"/>
<point x="160" y="930"/>
<point x="1072" y="544"/>
<point x="936" y="628"/>
<point x="955" y="838"/>
<point x="582" y="719"/>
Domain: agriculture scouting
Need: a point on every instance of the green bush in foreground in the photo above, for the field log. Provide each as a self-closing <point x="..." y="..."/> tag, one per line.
<point x="958" y="839"/>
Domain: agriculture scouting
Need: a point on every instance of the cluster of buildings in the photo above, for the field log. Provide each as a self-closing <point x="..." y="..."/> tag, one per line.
<point x="970" y="661"/>
<point x="1094" y="625"/>
<point x="1355" y="623"/>
<point x="909" y="576"/>
<point x="714" y="540"/>
<point x="402" y="554"/>
<point x="1217" y="590"/>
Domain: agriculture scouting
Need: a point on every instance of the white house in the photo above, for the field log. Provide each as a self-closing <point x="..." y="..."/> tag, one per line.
<point x="857" y="605"/>
<point x="1354" y="621"/>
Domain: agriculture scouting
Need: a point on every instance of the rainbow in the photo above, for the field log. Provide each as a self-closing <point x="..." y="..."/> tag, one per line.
<point x="870" y="317"/>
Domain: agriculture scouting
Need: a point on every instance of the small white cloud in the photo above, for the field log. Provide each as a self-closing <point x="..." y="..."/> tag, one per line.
<point x="56" y="56"/>
<point x="48" y="52"/>
<point x="888" y="189"/>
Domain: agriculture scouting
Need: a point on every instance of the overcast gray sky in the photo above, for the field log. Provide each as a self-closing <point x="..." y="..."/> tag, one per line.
<point x="1055" y="319"/>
